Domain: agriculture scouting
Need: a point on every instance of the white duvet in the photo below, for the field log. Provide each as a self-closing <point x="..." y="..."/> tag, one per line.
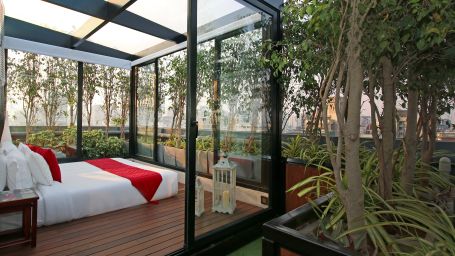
<point x="87" y="190"/>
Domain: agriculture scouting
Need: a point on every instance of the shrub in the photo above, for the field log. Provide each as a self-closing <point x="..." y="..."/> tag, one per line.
<point x="96" y="145"/>
<point x="69" y="136"/>
<point x="204" y="143"/>
<point x="46" y="138"/>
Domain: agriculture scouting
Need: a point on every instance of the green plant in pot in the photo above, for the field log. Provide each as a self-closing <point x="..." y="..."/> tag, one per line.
<point x="304" y="158"/>
<point x="204" y="145"/>
<point x="413" y="224"/>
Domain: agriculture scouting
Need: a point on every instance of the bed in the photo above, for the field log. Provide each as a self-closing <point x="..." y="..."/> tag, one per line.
<point x="87" y="190"/>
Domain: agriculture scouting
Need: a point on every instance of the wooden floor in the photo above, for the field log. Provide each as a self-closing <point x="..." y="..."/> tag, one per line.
<point x="152" y="229"/>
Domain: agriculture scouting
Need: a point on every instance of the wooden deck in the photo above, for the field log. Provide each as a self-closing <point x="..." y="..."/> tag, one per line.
<point x="152" y="229"/>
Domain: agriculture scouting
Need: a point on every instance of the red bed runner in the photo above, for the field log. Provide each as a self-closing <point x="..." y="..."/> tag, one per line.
<point x="147" y="182"/>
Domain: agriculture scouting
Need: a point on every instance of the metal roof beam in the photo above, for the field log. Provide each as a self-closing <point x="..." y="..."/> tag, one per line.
<point x="110" y="12"/>
<point x="27" y="31"/>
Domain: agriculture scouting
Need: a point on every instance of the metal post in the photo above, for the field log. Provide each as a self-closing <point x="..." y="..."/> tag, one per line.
<point x="133" y="109"/>
<point x="217" y="103"/>
<point x="155" y="107"/>
<point x="80" y="99"/>
<point x="191" y="124"/>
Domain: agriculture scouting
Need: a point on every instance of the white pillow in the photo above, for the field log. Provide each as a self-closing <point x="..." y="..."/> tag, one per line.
<point x="6" y="147"/>
<point x="18" y="172"/>
<point x="2" y="172"/>
<point x="38" y="166"/>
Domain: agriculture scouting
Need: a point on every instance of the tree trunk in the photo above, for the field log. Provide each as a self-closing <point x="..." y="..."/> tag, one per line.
<point x="427" y="155"/>
<point x="72" y="121"/>
<point x="387" y="131"/>
<point x="410" y="142"/>
<point x="355" y="196"/>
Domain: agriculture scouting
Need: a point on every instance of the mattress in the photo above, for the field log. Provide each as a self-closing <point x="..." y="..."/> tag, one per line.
<point x="87" y="190"/>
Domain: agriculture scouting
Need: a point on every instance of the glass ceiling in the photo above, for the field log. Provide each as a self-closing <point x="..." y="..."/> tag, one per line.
<point x="125" y="35"/>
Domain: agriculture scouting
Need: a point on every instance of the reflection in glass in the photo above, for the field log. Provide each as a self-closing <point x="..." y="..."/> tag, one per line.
<point x="171" y="113"/>
<point x="146" y="78"/>
<point x="233" y="112"/>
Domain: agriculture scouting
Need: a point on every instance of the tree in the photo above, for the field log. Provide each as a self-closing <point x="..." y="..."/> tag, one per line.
<point x="91" y="83"/>
<point x="173" y="76"/>
<point x="146" y="96"/>
<point x="108" y="85"/>
<point x="67" y="73"/>
<point x="24" y="83"/>
<point x="50" y="91"/>
<point x="123" y="99"/>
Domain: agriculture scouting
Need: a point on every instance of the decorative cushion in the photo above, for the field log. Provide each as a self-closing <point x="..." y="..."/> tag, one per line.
<point x="2" y="172"/>
<point x="38" y="166"/>
<point x="50" y="159"/>
<point x="18" y="172"/>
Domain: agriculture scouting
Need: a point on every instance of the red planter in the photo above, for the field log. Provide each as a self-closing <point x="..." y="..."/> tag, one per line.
<point x="296" y="171"/>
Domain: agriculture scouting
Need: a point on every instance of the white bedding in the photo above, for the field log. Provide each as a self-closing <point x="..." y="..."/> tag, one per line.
<point x="87" y="190"/>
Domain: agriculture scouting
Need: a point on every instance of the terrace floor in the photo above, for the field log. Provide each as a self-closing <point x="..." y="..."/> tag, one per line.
<point x="151" y="229"/>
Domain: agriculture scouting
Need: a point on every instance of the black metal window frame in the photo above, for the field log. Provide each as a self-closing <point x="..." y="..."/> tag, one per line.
<point x="276" y="178"/>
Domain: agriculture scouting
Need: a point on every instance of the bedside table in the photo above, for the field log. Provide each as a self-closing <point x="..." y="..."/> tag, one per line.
<point x="25" y="201"/>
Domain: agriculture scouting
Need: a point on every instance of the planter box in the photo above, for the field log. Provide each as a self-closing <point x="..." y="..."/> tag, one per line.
<point x="296" y="171"/>
<point x="180" y="157"/>
<point x="202" y="161"/>
<point x="160" y="153"/>
<point x="210" y="161"/>
<point x="144" y="149"/>
<point x="283" y="232"/>
<point x="169" y="155"/>
<point x="70" y="150"/>
<point x="245" y="166"/>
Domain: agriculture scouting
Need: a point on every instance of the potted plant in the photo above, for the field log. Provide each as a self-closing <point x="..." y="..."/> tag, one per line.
<point x="203" y="146"/>
<point x="303" y="158"/>
<point x="405" y="224"/>
<point x="169" y="151"/>
<point x="180" y="157"/>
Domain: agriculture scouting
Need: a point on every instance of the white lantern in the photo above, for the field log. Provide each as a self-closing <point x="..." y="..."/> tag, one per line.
<point x="224" y="182"/>
<point x="199" y="206"/>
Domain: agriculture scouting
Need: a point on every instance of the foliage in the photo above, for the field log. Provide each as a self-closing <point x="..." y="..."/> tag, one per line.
<point x="204" y="143"/>
<point x="251" y="146"/>
<point x="46" y="138"/>
<point x="69" y="136"/>
<point x="95" y="144"/>
<point x="306" y="149"/>
<point x="175" y="142"/>
<point x="228" y="144"/>
<point x="173" y="77"/>
<point x="411" y="224"/>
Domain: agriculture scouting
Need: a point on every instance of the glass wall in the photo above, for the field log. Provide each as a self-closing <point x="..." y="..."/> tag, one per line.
<point x="145" y="113"/>
<point x="172" y="109"/>
<point x="233" y="113"/>
<point x="42" y="101"/>
<point x="105" y="111"/>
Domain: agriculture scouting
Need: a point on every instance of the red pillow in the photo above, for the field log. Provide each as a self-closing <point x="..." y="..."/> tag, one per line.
<point x="51" y="160"/>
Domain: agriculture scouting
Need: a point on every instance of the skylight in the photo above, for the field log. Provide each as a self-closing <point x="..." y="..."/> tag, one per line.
<point x="124" y="39"/>
<point x="48" y="15"/>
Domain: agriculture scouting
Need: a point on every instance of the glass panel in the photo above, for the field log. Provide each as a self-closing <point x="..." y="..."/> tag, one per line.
<point x="105" y="111"/>
<point x="145" y="118"/>
<point x="171" y="113"/>
<point x="169" y="13"/>
<point x="49" y="16"/>
<point x="124" y="39"/>
<point x="42" y="99"/>
<point x="233" y="112"/>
